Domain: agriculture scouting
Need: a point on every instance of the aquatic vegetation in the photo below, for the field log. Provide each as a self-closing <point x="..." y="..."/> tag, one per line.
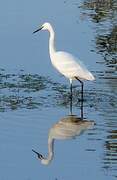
<point x="33" y="91"/>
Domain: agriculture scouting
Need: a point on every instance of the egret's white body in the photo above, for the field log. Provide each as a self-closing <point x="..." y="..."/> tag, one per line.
<point x="64" y="62"/>
<point x="67" y="128"/>
<point x="70" y="67"/>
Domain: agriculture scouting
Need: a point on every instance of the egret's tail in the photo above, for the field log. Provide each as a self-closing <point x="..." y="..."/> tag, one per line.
<point x="90" y="76"/>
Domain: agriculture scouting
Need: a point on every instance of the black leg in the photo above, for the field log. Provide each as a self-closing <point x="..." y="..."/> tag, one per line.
<point x="82" y="98"/>
<point x="71" y="98"/>
<point x="81" y="90"/>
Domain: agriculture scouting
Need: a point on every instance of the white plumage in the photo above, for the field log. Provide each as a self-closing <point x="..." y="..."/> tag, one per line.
<point x="70" y="67"/>
<point x="65" y="62"/>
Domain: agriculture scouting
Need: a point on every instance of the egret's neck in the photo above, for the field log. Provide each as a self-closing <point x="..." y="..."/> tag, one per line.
<point x="52" y="42"/>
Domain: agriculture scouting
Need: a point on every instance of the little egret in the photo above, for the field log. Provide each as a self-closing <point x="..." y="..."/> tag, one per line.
<point x="66" y="63"/>
<point x="67" y="128"/>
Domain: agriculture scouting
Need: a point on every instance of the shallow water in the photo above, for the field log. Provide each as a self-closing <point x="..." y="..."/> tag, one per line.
<point x="34" y="98"/>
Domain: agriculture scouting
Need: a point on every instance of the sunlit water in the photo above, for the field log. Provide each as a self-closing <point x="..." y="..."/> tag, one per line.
<point x="34" y="98"/>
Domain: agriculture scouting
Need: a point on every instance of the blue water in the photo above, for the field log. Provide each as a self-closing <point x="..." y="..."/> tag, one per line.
<point x="33" y="96"/>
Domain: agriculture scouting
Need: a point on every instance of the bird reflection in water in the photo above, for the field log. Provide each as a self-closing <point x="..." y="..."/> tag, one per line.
<point x="67" y="128"/>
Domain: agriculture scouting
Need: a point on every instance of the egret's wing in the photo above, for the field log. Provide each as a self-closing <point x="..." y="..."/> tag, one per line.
<point x="69" y="66"/>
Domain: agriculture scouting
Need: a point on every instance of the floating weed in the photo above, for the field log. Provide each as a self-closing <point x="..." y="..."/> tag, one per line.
<point x="33" y="91"/>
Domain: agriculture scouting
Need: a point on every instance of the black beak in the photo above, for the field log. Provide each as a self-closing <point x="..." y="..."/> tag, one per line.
<point x="38" y="29"/>
<point x="38" y="154"/>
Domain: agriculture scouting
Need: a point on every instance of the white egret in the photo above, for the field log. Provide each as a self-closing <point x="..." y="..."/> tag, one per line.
<point x="66" y="63"/>
<point x="67" y="128"/>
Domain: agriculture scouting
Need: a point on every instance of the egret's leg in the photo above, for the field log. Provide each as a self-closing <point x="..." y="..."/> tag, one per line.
<point x="82" y="98"/>
<point x="71" y="96"/>
<point x="82" y="85"/>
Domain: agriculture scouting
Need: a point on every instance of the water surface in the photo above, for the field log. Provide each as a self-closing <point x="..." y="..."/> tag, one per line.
<point x="34" y="97"/>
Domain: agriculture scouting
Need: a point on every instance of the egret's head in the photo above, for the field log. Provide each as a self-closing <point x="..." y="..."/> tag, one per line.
<point x="45" y="26"/>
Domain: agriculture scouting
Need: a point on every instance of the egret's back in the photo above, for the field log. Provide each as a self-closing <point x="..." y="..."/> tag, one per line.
<point x="69" y="66"/>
